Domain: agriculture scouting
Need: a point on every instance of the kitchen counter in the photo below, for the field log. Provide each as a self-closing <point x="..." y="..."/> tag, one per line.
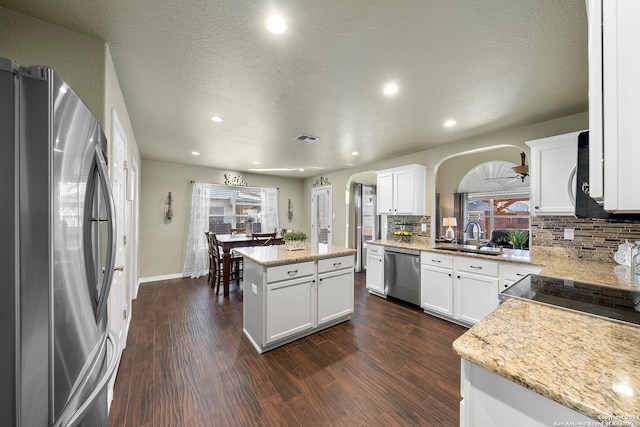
<point x="555" y="263"/>
<point x="586" y="363"/>
<point x="277" y="254"/>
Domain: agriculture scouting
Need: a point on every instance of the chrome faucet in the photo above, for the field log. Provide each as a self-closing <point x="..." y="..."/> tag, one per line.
<point x="466" y="230"/>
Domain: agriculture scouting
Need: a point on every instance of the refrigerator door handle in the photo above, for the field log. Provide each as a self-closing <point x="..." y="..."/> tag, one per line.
<point x="111" y="249"/>
<point x="76" y="418"/>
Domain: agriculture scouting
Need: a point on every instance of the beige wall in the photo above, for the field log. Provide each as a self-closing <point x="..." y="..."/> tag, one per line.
<point x="78" y="59"/>
<point x="433" y="158"/>
<point x="163" y="245"/>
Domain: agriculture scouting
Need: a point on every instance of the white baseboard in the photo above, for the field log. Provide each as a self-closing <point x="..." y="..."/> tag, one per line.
<point x="160" y="278"/>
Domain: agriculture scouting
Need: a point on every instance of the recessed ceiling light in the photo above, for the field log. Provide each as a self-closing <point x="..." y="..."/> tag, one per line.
<point x="256" y="163"/>
<point x="348" y="164"/>
<point x="390" y="89"/>
<point x="195" y="153"/>
<point x="301" y="170"/>
<point x="450" y="123"/>
<point x="276" y="24"/>
<point x="216" y="119"/>
<point x="355" y="153"/>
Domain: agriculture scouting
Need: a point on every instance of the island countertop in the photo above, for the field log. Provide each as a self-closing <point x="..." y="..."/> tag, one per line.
<point x="277" y="254"/>
<point x="587" y="363"/>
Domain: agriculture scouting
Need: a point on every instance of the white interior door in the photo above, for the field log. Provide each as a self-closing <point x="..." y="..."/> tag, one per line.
<point x="119" y="306"/>
<point x="321" y="215"/>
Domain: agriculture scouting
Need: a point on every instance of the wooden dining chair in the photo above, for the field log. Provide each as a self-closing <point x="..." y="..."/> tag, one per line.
<point x="263" y="239"/>
<point x="218" y="265"/>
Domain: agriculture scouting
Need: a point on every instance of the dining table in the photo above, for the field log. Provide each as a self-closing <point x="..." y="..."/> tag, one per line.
<point x="228" y="242"/>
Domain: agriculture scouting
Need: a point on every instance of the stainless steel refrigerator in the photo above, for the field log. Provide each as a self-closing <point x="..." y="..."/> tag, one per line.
<point x="366" y="222"/>
<point x="56" y="254"/>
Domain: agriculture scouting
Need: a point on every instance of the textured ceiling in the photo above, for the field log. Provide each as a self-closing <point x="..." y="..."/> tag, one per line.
<point x="488" y="64"/>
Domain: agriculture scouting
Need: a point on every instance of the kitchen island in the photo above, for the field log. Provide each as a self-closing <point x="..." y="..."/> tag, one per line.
<point x="290" y="294"/>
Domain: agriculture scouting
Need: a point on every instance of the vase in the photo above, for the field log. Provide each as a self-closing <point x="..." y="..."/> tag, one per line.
<point x="294" y="245"/>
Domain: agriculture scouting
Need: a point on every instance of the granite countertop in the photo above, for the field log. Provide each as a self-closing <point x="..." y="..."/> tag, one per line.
<point x="592" y="365"/>
<point x="555" y="262"/>
<point x="277" y="254"/>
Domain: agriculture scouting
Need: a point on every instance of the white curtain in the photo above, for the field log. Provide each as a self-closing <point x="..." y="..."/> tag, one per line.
<point x="196" y="261"/>
<point x="269" y="211"/>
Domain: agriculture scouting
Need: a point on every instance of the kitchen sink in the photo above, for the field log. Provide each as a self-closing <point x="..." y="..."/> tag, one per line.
<point x="484" y="250"/>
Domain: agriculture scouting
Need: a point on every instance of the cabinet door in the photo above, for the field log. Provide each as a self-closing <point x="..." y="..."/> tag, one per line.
<point x="552" y="161"/>
<point x="290" y="308"/>
<point x="404" y="192"/>
<point x="335" y="295"/>
<point x="385" y="193"/>
<point x="475" y="296"/>
<point x="436" y="290"/>
<point x="621" y="105"/>
<point x="375" y="274"/>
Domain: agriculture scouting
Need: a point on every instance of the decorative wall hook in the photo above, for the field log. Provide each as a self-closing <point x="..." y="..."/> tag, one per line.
<point x="322" y="182"/>
<point x="168" y="207"/>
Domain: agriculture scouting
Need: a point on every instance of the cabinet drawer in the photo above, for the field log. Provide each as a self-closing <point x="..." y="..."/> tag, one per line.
<point x="375" y="250"/>
<point x="290" y="271"/>
<point x="515" y="272"/>
<point x="332" y="264"/>
<point x="435" y="259"/>
<point x="475" y="265"/>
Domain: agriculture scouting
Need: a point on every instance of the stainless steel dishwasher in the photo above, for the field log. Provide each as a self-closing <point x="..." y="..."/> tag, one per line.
<point x="402" y="274"/>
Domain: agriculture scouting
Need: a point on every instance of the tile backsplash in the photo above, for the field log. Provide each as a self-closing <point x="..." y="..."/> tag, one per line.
<point x="415" y="226"/>
<point x="594" y="239"/>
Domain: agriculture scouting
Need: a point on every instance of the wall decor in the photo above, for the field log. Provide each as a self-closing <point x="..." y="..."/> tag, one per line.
<point x="168" y="208"/>
<point x="290" y="209"/>
<point x="235" y="180"/>
<point x="322" y="181"/>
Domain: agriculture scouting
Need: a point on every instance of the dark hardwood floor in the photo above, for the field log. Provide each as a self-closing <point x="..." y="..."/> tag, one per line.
<point x="187" y="363"/>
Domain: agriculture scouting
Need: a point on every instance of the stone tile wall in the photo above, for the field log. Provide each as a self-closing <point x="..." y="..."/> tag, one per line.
<point x="415" y="227"/>
<point x="595" y="239"/>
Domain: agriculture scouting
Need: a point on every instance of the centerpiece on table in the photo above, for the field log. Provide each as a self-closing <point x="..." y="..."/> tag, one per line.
<point x="294" y="240"/>
<point x="249" y="226"/>
<point x="404" y="231"/>
<point x="518" y="237"/>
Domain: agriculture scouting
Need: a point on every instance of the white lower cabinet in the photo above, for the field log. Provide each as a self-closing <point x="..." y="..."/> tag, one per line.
<point x="489" y="400"/>
<point x="510" y="274"/>
<point x="476" y="296"/>
<point x="335" y="289"/>
<point x="375" y="270"/>
<point x="436" y="283"/>
<point x="465" y="289"/>
<point x="290" y="308"/>
<point x="286" y="302"/>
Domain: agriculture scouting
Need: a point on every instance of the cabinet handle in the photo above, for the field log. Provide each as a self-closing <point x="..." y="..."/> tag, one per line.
<point x="458" y="277"/>
<point x="450" y="275"/>
<point x="536" y="207"/>
<point x="292" y="272"/>
<point x="520" y="274"/>
<point x="337" y="264"/>
<point x="436" y="260"/>
<point x="475" y="267"/>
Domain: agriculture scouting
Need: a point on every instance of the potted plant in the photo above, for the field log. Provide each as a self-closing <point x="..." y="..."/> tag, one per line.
<point x="294" y="240"/>
<point x="518" y="237"/>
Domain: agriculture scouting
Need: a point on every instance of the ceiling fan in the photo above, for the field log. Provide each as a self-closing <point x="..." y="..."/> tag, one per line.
<point x="521" y="171"/>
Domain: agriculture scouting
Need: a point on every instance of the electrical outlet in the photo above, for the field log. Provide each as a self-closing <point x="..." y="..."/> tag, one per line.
<point x="254" y="289"/>
<point x="423" y="227"/>
<point x="568" y="233"/>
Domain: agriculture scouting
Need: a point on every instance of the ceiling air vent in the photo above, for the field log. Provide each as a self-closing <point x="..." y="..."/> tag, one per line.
<point x="306" y="139"/>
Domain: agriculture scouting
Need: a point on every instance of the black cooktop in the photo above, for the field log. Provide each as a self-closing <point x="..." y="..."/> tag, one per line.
<point x="613" y="303"/>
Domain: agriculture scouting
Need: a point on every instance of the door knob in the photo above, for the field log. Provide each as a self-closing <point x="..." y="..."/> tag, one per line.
<point x="119" y="268"/>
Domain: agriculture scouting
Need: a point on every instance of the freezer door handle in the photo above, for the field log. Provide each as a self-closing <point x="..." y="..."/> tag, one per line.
<point x="77" y="416"/>
<point x="101" y="164"/>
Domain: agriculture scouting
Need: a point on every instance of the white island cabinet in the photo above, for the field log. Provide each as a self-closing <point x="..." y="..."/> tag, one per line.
<point x="290" y="294"/>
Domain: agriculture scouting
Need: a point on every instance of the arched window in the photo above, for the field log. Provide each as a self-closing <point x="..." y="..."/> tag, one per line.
<point x="497" y="198"/>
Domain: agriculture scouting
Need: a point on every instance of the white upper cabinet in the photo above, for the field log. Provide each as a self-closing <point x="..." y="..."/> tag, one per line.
<point x="402" y="191"/>
<point x="553" y="175"/>
<point x="614" y="103"/>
